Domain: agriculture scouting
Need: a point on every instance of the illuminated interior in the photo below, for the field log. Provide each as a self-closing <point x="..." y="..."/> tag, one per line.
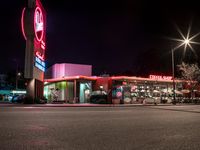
<point x="127" y="89"/>
<point x="67" y="92"/>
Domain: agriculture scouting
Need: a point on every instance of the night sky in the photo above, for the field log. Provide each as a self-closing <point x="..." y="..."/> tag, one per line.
<point x="127" y="37"/>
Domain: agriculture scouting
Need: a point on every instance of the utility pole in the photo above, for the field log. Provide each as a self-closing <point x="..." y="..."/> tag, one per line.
<point x="173" y="76"/>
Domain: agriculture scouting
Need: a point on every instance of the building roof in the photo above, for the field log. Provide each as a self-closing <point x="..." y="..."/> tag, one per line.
<point x="72" y="78"/>
<point x="125" y="78"/>
<point x="119" y="78"/>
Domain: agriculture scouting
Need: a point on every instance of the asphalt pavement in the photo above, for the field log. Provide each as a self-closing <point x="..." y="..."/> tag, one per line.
<point x="100" y="128"/>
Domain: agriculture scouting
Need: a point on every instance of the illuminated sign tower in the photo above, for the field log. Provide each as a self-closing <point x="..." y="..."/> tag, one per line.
<point x="33" y="22"/>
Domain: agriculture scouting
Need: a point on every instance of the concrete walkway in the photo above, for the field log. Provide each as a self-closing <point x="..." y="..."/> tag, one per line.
<point x="78" y="105"/>
<point x="178" y="107"/>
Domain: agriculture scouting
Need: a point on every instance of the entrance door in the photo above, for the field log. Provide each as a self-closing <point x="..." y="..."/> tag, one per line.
<point x="85" y="90"/>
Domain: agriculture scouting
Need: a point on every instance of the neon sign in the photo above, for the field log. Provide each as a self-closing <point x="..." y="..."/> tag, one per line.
<point x="39" y="34"/>
<point x="39" y="55"/>
<point x="40" y="64"/>
<point x="38" y="24"/>
<point x="22" y="23"/>
<point x="157" y="77"/>
<point x="43" y="45"/>
<point x="33" y="24"/>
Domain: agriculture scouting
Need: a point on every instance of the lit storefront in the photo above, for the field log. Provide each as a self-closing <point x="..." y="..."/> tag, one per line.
<point x="75" y="89"/>
<point x="136" y="89"/>
<point x="74" y="83"/>
<point x="70" y="83"/>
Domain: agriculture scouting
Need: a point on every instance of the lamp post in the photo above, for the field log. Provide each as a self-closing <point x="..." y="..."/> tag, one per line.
<point x="184" y="42"/>
<point x="174" y="86"/>
<point x="16" y="82"/>
<point x="18" y="74"/>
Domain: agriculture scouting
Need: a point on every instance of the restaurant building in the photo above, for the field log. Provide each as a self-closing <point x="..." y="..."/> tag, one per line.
<point x="71" y="83"/>
<point x="74" y="83"/>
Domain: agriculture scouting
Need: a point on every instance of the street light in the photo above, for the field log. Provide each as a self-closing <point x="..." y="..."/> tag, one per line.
<point x="17" y="77"/>
<point x="174" y="96"/>
<point x="186" y="41"/>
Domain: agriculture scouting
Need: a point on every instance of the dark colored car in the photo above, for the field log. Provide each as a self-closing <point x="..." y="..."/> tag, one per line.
<point x="18" y="98"/>
<point x="99" y="97"/>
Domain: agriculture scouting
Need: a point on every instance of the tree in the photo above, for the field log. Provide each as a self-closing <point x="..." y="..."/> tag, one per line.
<point x="191" y="73"/>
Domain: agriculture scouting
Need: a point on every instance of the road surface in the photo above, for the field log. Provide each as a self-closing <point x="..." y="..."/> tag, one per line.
<point x="100" y="128"/>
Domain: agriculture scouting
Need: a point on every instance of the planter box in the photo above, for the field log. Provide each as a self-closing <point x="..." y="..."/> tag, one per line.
<point x="71" y="101"/>
<point x="134" y="100"/>
<point x="59" y="102"/>
<point x="127" y="100"/>
<point x="115" y="101"/>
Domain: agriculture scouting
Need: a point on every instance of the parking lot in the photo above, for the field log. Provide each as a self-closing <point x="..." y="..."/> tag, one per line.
<point x="100" y="128"/>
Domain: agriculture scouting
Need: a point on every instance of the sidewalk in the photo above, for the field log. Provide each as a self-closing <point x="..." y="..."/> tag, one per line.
<point x="192" y="108"/>
<point x="78" y="105"/>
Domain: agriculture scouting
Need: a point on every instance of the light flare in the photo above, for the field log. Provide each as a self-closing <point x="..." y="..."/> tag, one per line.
<point x="186" y="41"/>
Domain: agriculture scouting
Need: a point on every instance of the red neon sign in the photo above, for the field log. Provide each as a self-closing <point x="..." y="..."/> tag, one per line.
<point x="38" y="24"/>
<point x="22" y="23"/>
<point x="43" y="45"/>
<point x="39" y="55"/>
<point x="39" y="31"/>
<point x="157" y="77"/>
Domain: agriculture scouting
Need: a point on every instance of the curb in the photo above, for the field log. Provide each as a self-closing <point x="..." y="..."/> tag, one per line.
<point x="80" y="105"/>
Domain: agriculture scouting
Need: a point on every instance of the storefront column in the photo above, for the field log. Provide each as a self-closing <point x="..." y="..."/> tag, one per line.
<point x="75" y="86"/>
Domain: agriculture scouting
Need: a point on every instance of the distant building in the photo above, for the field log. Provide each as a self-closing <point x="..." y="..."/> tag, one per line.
<point x="3" y="81"/>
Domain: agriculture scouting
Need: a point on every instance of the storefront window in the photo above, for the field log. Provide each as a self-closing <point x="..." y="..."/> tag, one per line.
<point x="55" y="91"/>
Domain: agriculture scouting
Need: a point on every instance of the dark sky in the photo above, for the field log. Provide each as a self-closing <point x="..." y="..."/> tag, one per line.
<point x="117" y="37"/>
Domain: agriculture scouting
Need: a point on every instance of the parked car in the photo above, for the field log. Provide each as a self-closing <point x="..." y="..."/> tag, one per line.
<point x="98" y="97"/>
<point x="9" y="97"/>
<point x="43" y="100"/>
<point x="18" y="98"/>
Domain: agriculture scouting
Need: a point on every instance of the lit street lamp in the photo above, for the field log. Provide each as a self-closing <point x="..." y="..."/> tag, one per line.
<point x="174" y="87"/>
<point x="186" y="42"/>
